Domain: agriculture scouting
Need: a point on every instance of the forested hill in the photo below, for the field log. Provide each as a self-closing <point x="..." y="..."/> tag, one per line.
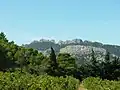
<point x="43" y="45"/>
<point x="27" y="69"/>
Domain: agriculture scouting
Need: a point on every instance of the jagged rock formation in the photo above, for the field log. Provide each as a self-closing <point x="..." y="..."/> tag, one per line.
<point x="80" y="49"/>
<point x="75" y="46"/>
<point x="83" y="53"/>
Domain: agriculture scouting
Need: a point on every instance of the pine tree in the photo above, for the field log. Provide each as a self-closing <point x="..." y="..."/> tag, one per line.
<point x="107" y="67"/>
<point x="115" y="65"/>
<point x="3" y="37"/>
<point x="67" y="64"/>
<point x="53" y="59"/>
<point x="93" y="59"/>
<point x="53" y="65"/>
<point x="107" y="57"/>
<point x="94" y="65"/>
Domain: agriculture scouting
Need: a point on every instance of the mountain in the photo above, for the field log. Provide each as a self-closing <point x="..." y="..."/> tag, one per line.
<point x="83" y="53"/>
<point x="78" y="48"/>
<point x="44" y="45"/>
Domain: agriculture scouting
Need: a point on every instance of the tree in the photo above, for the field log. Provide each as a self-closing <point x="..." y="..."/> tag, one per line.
<point x="106" y="67"/>
<point x="3" y="58"/>
<point x="93" y="58"/>
<point x="94" y="65"/>
<point x="107" y="57"/>
<point x="115" y="68"/>
<point x="3" y="37"/>
<point x="66" y="61"/>
<point x="21" y="58"/>
<point x="52" y="64"/>
<point x="67" y="64"/>
<point x="90" y="68"/>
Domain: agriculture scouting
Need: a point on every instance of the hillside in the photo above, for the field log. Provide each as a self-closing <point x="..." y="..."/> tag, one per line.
<point x="44" y="45"/>
<point x="83" y="53"/>
<point x="26" y="68"/>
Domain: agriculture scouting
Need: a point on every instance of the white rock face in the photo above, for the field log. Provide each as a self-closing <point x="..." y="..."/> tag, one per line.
<point x="83" y="52"/>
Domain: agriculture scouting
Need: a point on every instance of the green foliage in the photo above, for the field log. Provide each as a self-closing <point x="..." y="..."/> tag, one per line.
<point x="3" y="37"/>
<point x="32" y="68"/>
<point x="52" y="67"/>
<point x="67" y="63"/>
<point x="25" y="81"/>
<point x="105" y="69"/>
<point x="94" y="65"/>
<point x="4" y="58"/>
<point x="92" y="83"/>
<point x="115" y="68"/>
<point x="53" y="60"/>
<point x="13" y="56"/>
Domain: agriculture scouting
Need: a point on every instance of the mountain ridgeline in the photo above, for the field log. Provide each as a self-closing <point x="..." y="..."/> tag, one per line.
<point x="44" y="45"/>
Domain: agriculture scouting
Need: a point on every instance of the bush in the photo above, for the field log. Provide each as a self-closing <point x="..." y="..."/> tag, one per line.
<point x="92" y="83"/>
<point x="22" y="81"/>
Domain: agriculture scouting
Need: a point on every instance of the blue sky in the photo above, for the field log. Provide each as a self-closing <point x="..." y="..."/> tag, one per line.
<point x="95" y="20"/>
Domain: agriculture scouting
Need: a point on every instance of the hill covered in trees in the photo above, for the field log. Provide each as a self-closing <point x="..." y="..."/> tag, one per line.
<point x="28" y="69"/>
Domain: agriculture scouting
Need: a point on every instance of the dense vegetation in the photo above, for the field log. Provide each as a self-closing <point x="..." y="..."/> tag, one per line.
<point x="39" y="71"/>
<point x="99" y="84"/>
<point x="25" y="81"/>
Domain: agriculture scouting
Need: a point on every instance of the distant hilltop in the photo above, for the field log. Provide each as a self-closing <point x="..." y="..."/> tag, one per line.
<point x="44" y="45"/>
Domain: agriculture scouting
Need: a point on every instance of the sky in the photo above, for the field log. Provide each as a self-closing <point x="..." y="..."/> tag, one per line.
<point x="26" y="20"/>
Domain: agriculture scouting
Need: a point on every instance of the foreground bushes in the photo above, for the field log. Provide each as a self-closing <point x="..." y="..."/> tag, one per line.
<point x="18" y="81"/>
<point x="99" y="84"/>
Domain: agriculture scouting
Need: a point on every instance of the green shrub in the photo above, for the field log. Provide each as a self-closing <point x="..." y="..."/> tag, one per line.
<point x="21" y="81"/>
<point x="92" y="83"/>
